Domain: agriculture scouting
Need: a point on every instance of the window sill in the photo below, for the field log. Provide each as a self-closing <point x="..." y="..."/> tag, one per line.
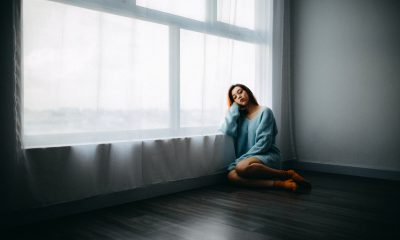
<point x="95" y="138"/>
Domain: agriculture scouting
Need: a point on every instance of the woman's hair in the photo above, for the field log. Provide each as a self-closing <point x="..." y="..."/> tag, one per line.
<point x="252" y="99"/>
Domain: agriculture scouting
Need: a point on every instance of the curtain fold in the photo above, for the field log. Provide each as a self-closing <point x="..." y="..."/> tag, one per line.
<point x="282" y="83"/>
<point x="21" y="188"/>
<point x="62" y="174"/>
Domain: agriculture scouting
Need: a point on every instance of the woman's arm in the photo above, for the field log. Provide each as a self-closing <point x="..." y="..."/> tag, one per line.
<point x="229" y="126"/>
<point x="265" y="135"/>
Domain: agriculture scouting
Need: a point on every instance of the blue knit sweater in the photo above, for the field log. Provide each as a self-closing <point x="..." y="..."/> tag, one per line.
<point x="252" y="137"/>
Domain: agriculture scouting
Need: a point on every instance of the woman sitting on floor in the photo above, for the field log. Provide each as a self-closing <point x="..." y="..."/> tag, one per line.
<point x="253" y="129"/>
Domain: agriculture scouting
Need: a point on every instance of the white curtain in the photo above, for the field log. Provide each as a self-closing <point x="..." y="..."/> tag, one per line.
<point x="104" y="80"/>
<point x="102" y="105"/>
<point x="282" y="84"/>
<point x="63" y="174"/>
<point x="104" y="71"/>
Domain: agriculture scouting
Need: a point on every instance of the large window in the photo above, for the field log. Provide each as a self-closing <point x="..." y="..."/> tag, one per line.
<point x="102" y="71"/>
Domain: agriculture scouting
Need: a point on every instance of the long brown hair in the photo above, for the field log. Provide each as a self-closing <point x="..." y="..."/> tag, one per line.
<point x="252" y="99"/>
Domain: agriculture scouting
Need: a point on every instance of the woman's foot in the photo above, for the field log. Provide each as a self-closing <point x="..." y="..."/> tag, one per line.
<point x="298" y="179"/>
<point x="288" y="184"/>
<point x="291" y="185"/>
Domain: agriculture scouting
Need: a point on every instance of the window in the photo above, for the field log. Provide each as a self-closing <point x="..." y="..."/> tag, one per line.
<point x="102" y="71"/>
<point x="193" y="9"/>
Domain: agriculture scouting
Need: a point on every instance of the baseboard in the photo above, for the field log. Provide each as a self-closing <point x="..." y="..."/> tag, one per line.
<point x="344" y="170"/>
<point x="13" y="219"/>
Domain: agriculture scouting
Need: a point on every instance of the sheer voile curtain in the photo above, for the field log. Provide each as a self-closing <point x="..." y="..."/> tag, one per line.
<point x="109" y="70"/>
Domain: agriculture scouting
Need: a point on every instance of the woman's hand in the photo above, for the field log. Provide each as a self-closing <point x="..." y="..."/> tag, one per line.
<point x="240" y="107"/>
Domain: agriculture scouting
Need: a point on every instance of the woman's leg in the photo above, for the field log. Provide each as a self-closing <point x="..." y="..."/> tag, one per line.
<point x="254" y="168"/>
<point x="288" y="184"/>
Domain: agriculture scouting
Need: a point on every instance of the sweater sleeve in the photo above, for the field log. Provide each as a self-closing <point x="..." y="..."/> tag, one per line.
<point x="229" y="126"/>
<point x="265" y="135"/>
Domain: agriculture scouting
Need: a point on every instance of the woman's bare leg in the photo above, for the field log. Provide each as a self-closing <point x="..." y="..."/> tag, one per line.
<point x="254" y="168"/>
<point x="288" y="184"/>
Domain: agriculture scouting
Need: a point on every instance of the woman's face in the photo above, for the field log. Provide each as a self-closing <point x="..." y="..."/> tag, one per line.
<point x="240" y="96"/>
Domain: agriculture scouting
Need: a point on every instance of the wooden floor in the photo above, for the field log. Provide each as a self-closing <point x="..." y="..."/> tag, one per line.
<point x="339" y="207"/>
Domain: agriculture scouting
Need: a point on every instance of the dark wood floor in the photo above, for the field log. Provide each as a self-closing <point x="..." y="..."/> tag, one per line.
<point x="339" y="207"/>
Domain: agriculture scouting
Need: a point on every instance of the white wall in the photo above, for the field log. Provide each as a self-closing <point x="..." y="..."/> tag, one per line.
<point x="346" y="75"/>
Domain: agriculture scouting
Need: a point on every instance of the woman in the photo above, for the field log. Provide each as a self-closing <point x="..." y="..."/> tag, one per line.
<point x="253" y="129"/>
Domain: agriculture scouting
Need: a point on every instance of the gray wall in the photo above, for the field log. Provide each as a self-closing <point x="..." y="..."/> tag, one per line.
<point x="346" y="77"/>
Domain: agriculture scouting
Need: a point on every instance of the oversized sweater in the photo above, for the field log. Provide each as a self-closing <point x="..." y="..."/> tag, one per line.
<point x="252" y="137"/>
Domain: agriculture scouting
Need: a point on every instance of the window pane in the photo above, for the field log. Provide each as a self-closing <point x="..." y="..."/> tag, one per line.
<point x="209" y="65"/>
<point x="88" y="71"/>
<point x="237" y="12"/>
<point x="194" y="9"/>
